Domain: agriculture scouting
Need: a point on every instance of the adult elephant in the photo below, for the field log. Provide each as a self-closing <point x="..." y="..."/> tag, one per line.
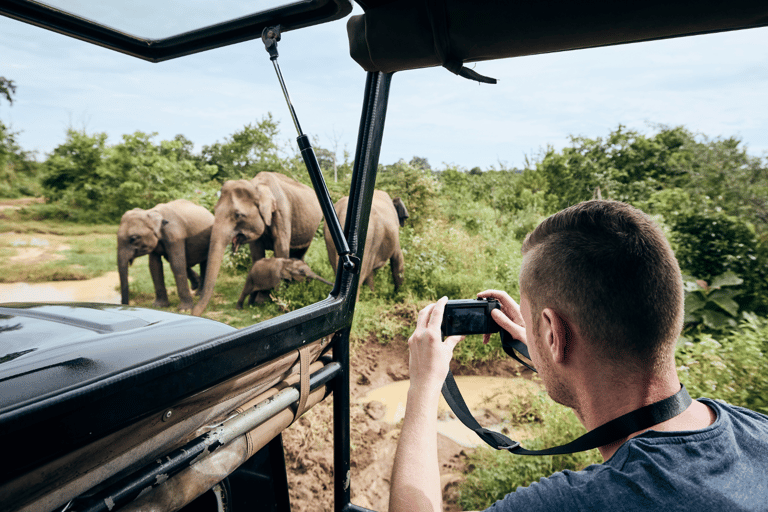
<point x="269" y="212"/>
<point x="179" y="231"/>
<point x="383" y="241"/>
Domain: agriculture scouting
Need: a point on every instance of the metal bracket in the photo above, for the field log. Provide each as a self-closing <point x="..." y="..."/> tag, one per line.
<point x="350" y="262"/>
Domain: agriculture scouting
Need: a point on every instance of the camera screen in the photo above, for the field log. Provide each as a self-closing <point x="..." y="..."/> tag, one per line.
<point x="469" y="320"/>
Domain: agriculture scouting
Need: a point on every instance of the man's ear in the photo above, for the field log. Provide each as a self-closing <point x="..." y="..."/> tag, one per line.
<point x="558" y="335"/>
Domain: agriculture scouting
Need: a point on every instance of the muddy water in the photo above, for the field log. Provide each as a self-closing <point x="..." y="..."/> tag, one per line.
<point x="487" y="398"/>
<point x="101" y="289"/>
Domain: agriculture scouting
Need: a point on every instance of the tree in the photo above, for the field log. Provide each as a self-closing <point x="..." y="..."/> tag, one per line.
<point x="7" y="89"/>
<point x="91" y="181"/>
<point x="246" y="153"/>
<point x="17" y="167"/>
<point x="420" y="163"/>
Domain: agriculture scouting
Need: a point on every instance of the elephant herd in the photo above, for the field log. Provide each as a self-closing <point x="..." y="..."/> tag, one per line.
<point x="270" y="212"/>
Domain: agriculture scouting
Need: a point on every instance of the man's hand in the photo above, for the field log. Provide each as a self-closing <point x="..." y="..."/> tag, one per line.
<point x="508" y="317"/>
<point x="430" y="356"/>
<point x="416" y="473"/>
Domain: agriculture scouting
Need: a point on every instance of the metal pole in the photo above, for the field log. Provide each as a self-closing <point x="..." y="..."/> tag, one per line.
<point x="358" y="211"/>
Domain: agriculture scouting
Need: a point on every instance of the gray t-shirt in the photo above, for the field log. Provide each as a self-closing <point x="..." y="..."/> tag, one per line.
<point x="721" y="467"/>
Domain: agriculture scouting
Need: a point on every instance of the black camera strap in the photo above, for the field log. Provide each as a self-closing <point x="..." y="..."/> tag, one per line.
<point x="608" y="433"/>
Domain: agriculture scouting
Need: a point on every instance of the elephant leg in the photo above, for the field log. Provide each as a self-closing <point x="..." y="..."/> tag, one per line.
<point x="260" y="297"/>
<point x="177" y="257"/>
<point x="241" y="300"/>
<point x="194" y="279"/>
<point x="369" y="281"/>
<point x="156" y="271"/>
<point x="203" y="269"/>
<point x="257" y="251"/>
<point x="398" y="269"/>
<point x="252" y="298"/>
<point x="298" y="253"/>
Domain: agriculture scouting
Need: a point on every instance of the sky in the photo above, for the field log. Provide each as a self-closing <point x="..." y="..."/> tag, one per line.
<point x="714" y="85"/>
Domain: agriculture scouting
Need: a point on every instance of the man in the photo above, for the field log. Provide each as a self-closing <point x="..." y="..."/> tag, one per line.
<point x="601" y="308"/>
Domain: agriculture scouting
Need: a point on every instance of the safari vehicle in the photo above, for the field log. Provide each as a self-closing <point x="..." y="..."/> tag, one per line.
<point x="107" y="407"/>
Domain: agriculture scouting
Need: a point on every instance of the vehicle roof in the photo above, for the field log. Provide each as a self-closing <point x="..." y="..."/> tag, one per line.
<point x="392" y="35"/>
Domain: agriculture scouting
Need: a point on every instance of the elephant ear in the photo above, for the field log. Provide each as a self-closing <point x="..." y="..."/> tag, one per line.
<point x="266" y="203"/>
<point x="402" y="212"/>
<point x="295" y="270"/>
<point x="156" y="222"/>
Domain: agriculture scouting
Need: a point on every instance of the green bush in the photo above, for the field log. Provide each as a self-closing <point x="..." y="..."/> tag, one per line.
<point x="731" y="367"/>
<point x="17" y="167"/>
<point x="88" y="181"/>
<point x="710" y="244"/>
<point x="711" y="305"/>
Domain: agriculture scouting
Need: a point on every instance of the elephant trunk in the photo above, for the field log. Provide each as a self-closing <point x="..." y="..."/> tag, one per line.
<point x="218" y="245"/>
<point x="123" y="260"/>
<point x="312" y="275"/>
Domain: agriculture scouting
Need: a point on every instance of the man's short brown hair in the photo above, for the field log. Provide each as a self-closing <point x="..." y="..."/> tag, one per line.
<point x="608" y="268"/>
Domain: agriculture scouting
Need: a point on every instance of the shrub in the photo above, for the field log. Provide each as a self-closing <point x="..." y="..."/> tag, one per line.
<point x="710" y="244"/>
<point x="90" y="181"/>
<point x="729" y="368"/>
<point x="712" y="305"/>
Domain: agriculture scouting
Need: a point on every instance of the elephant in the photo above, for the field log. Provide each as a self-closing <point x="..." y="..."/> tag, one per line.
<point x="269" y="212"/>
<point x="383" y="240"/>
<point x="267" y="273"/>
<point x="180" y="231"/>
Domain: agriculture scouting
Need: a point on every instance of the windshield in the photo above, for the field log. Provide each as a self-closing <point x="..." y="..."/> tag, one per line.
<point x="158" y="19"/>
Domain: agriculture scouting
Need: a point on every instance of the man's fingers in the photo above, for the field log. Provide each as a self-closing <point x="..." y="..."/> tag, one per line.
<point x="508" y="305"/>
<point x="436" y="318"/>
<point x="452" y="341"/>
<point x="424" y="315"/>
<point x="517" y="331"/>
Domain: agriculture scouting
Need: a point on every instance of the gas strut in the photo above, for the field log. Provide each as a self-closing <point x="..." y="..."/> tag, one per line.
<point x="270" y="36"/>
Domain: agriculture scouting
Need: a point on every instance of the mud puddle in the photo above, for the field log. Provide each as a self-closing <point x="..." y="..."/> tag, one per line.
<point x="488" y="398"/>
<point x="100" y="289"/>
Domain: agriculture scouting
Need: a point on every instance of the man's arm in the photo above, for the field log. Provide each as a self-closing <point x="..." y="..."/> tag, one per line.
<point x="416" y="473"/>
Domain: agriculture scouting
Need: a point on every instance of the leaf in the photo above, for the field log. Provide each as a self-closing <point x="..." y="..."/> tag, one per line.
<point x="693" y="302"/>
<point x="725" y="302"/>
<point x="715" y="319"/>
<point x="727" y="279"/>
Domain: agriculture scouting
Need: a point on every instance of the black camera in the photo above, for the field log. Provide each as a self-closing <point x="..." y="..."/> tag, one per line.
<point x="469" y="316"/>
<point x="473" y="316"/>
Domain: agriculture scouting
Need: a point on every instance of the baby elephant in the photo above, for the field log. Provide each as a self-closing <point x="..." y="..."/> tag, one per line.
<point x="266" y="274"/>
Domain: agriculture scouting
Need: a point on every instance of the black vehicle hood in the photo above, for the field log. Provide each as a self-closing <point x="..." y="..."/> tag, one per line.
<point x="47" y="349"/>
<point x="82" y="371"/>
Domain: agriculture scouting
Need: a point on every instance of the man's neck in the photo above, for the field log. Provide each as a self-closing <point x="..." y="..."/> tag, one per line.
<point x="609" y="397"/>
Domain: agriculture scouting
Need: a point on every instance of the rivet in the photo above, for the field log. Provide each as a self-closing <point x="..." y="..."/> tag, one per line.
<point x="167" y="415"/>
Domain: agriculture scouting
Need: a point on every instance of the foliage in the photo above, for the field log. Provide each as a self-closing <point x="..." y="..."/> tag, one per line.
<point x="712" y="305"/>
<point x="7" y="89"/>
<point x="18" y="169"/>
<point x="246" y="152"/>
<point x="415" y="185"/>
<point x="90" y="181"/>
<point x="493" y="474"/>
<point x="729" y="367"/>
<point x="709" y="244"/>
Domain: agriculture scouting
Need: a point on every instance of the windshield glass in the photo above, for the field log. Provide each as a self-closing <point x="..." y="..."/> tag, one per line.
<point x="158" y="19"/>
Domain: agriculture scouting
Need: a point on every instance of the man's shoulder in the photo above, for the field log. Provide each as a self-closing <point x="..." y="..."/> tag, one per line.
<point x="658" y="469"/>
<point x="741" y="413"/>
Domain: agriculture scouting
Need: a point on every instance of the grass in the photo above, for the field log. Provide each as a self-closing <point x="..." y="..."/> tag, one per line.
<point x="56" y="251"/>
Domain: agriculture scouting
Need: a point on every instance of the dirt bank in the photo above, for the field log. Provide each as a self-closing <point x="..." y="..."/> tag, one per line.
<point x="309" y="444"/>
